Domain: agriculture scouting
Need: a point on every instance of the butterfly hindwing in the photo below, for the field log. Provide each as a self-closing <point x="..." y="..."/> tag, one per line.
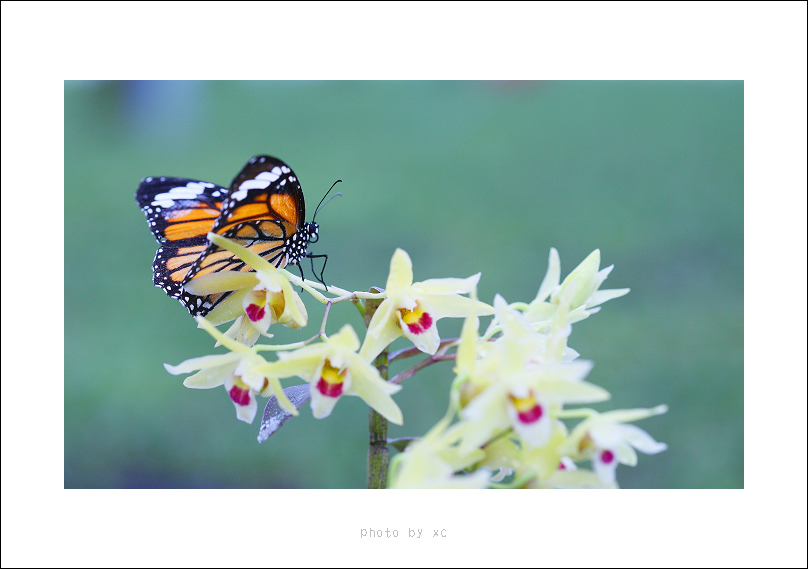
<point x="180" y="213"/>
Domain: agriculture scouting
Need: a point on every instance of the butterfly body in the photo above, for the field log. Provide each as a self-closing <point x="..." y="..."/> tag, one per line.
<point x="262" y="210"/>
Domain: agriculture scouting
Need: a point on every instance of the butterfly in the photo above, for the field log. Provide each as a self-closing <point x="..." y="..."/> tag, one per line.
<point x="262" y="210"/>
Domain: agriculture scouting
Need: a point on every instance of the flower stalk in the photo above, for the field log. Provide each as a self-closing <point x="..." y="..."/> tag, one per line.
<point x="378" y="451"/>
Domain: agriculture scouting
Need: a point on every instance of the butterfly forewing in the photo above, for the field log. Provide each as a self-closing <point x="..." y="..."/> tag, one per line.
<point x="266" y="188"/>
<point x="179" y="210"/>
<point x="264" y="208"/>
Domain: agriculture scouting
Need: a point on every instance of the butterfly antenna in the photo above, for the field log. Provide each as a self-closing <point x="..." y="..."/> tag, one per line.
<point x="321" y="204"/>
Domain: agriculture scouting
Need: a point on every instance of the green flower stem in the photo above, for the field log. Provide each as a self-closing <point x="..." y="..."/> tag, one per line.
<point x="378" y="451"/>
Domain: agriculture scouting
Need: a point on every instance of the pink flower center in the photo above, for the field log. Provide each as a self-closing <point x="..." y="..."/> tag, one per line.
<point x="255" y="305"/>
<point x="606" y="457"/>
<point x="417" y="320"/>
<point x="257" y="302"/>
<point x="527" y="408"/>
<point x="240" y="394"/>
<point x="331" y="381"/>
<point x="255" y="312"/>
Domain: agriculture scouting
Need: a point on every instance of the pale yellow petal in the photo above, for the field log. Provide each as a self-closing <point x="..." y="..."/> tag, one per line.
<point x="211" y="377"/>
<point x="345" y="338"/>
<point x="447" y="286"/>
<point x="381" y="331"/>
<point x="228" y="309"/>
<point x="400" y="271"/>
<point x="550" y="281"/>
<point x="220" y="282"/>
<point x="453" y="306"/>
<point x="203" y="362"/>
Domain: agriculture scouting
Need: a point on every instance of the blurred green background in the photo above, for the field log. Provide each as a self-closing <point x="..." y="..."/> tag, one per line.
<point x="466" y="177"/>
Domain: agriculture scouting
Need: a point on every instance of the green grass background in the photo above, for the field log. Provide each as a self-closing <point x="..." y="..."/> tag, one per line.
<point x="466" y="177"/>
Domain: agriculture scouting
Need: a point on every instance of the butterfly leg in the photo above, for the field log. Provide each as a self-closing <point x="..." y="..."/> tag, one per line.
<point x="299" y="268"/>
<point x="320" y="278"/>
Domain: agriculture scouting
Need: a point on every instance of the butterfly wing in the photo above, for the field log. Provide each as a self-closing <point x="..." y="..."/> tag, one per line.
<point x="180" y="213"/>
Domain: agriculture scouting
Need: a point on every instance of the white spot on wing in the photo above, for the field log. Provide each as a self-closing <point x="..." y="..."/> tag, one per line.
<point x="250" y="185"/>
<point x="190" y="191"/>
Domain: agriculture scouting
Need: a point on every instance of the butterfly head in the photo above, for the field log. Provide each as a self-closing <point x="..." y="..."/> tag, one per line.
<point x="313" y="231"/>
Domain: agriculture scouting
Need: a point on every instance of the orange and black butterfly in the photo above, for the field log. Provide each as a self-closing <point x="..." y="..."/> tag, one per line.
<point x="262" y="210"/>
